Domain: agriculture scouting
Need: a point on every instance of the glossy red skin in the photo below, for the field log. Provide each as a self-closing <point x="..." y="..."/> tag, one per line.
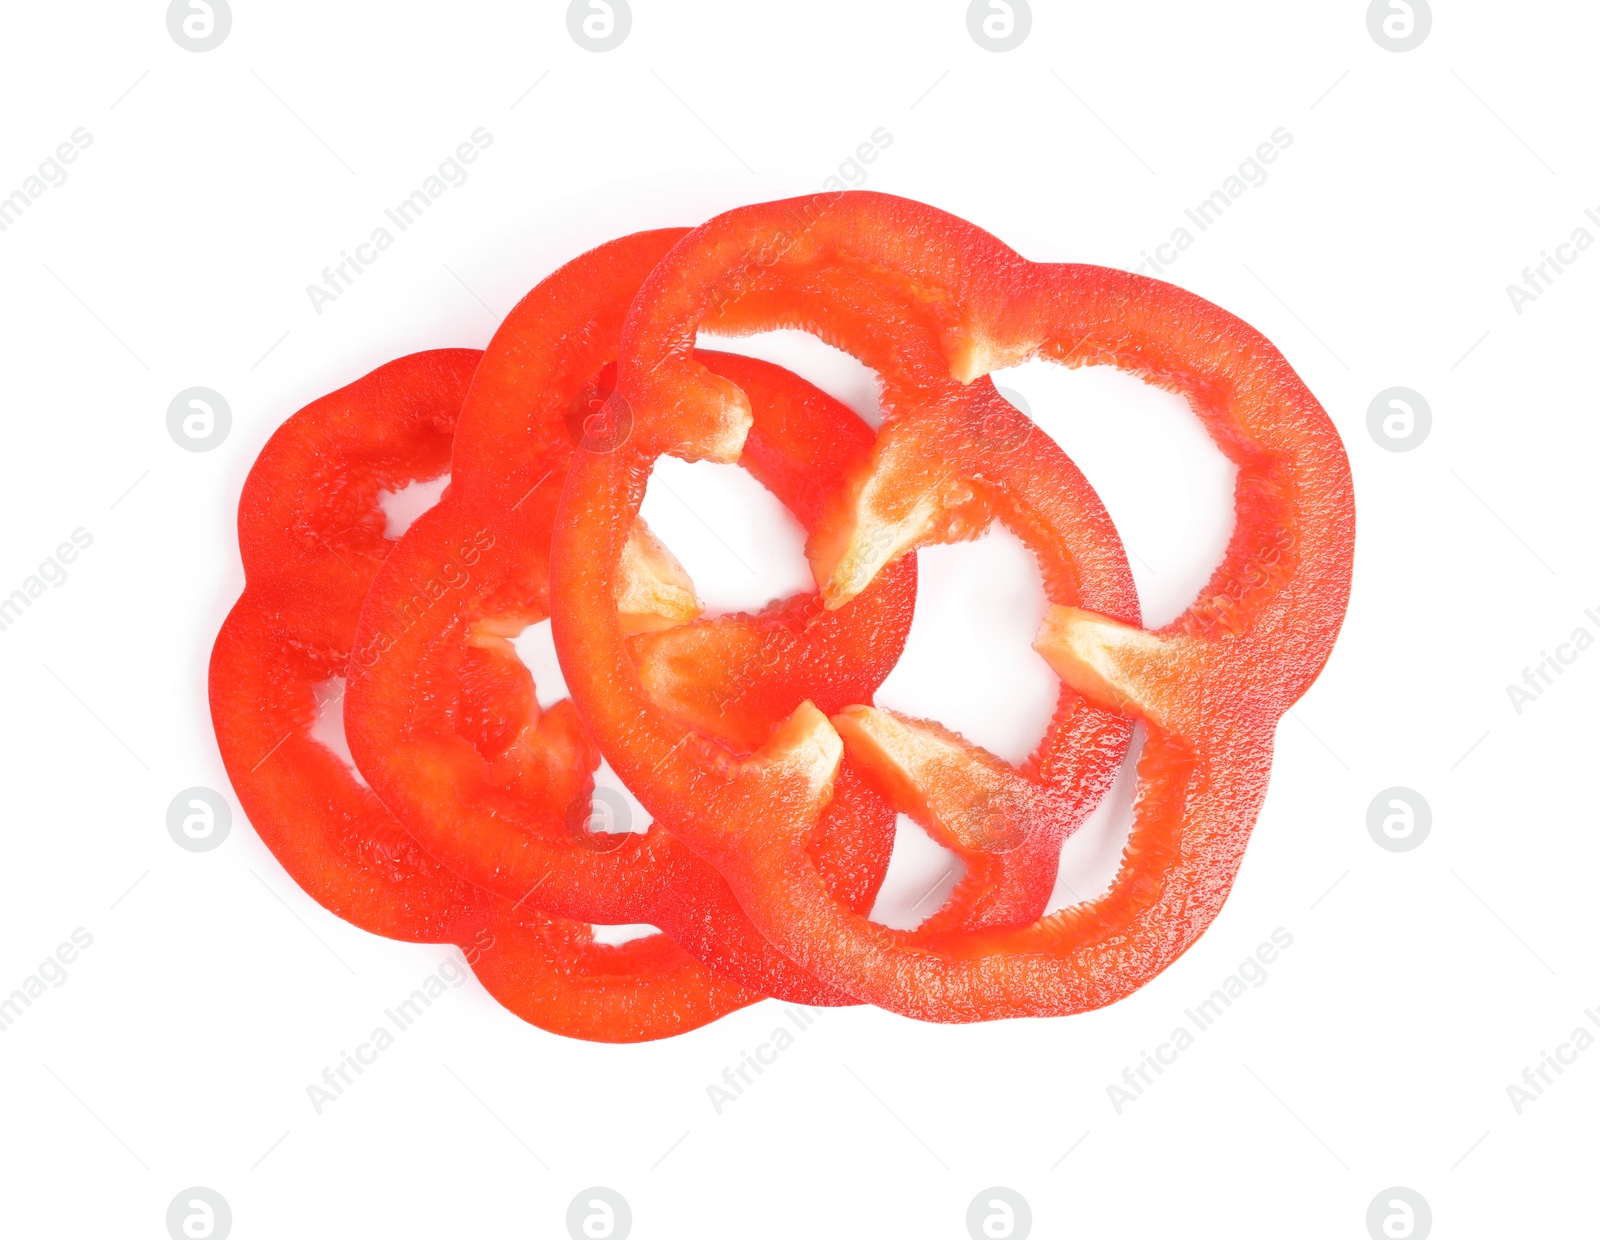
<point x="440" y="727"/>
<point x="1210" y="687"/>
<point x="311" y="536"/>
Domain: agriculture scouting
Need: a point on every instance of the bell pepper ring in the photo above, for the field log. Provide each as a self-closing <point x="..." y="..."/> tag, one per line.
<point x="1210" y="687"/>
<point x="311" y="534"/>
<point x="444" y="721"/>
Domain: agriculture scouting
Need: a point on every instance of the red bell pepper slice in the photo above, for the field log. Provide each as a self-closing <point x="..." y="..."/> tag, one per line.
<point x="311" y="536"/>
<point x="442" y="717"/>
<point x="1210" y="687"/>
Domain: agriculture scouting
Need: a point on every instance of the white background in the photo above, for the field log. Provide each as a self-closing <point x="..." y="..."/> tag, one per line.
<point x="1377" y="253"/>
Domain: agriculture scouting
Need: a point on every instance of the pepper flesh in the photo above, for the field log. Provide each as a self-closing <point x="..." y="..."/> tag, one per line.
<point x="1210" y="687"/>
<point x="311" y="536"/>
<point x="443" y="719"/>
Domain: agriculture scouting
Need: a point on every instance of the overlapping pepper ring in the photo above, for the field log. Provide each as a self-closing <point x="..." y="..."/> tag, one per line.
<point x="442" y="716"/>
<point x="311" y="532"/>
<point x="1006" y="825"/>
<point x="1210" y="687"/>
